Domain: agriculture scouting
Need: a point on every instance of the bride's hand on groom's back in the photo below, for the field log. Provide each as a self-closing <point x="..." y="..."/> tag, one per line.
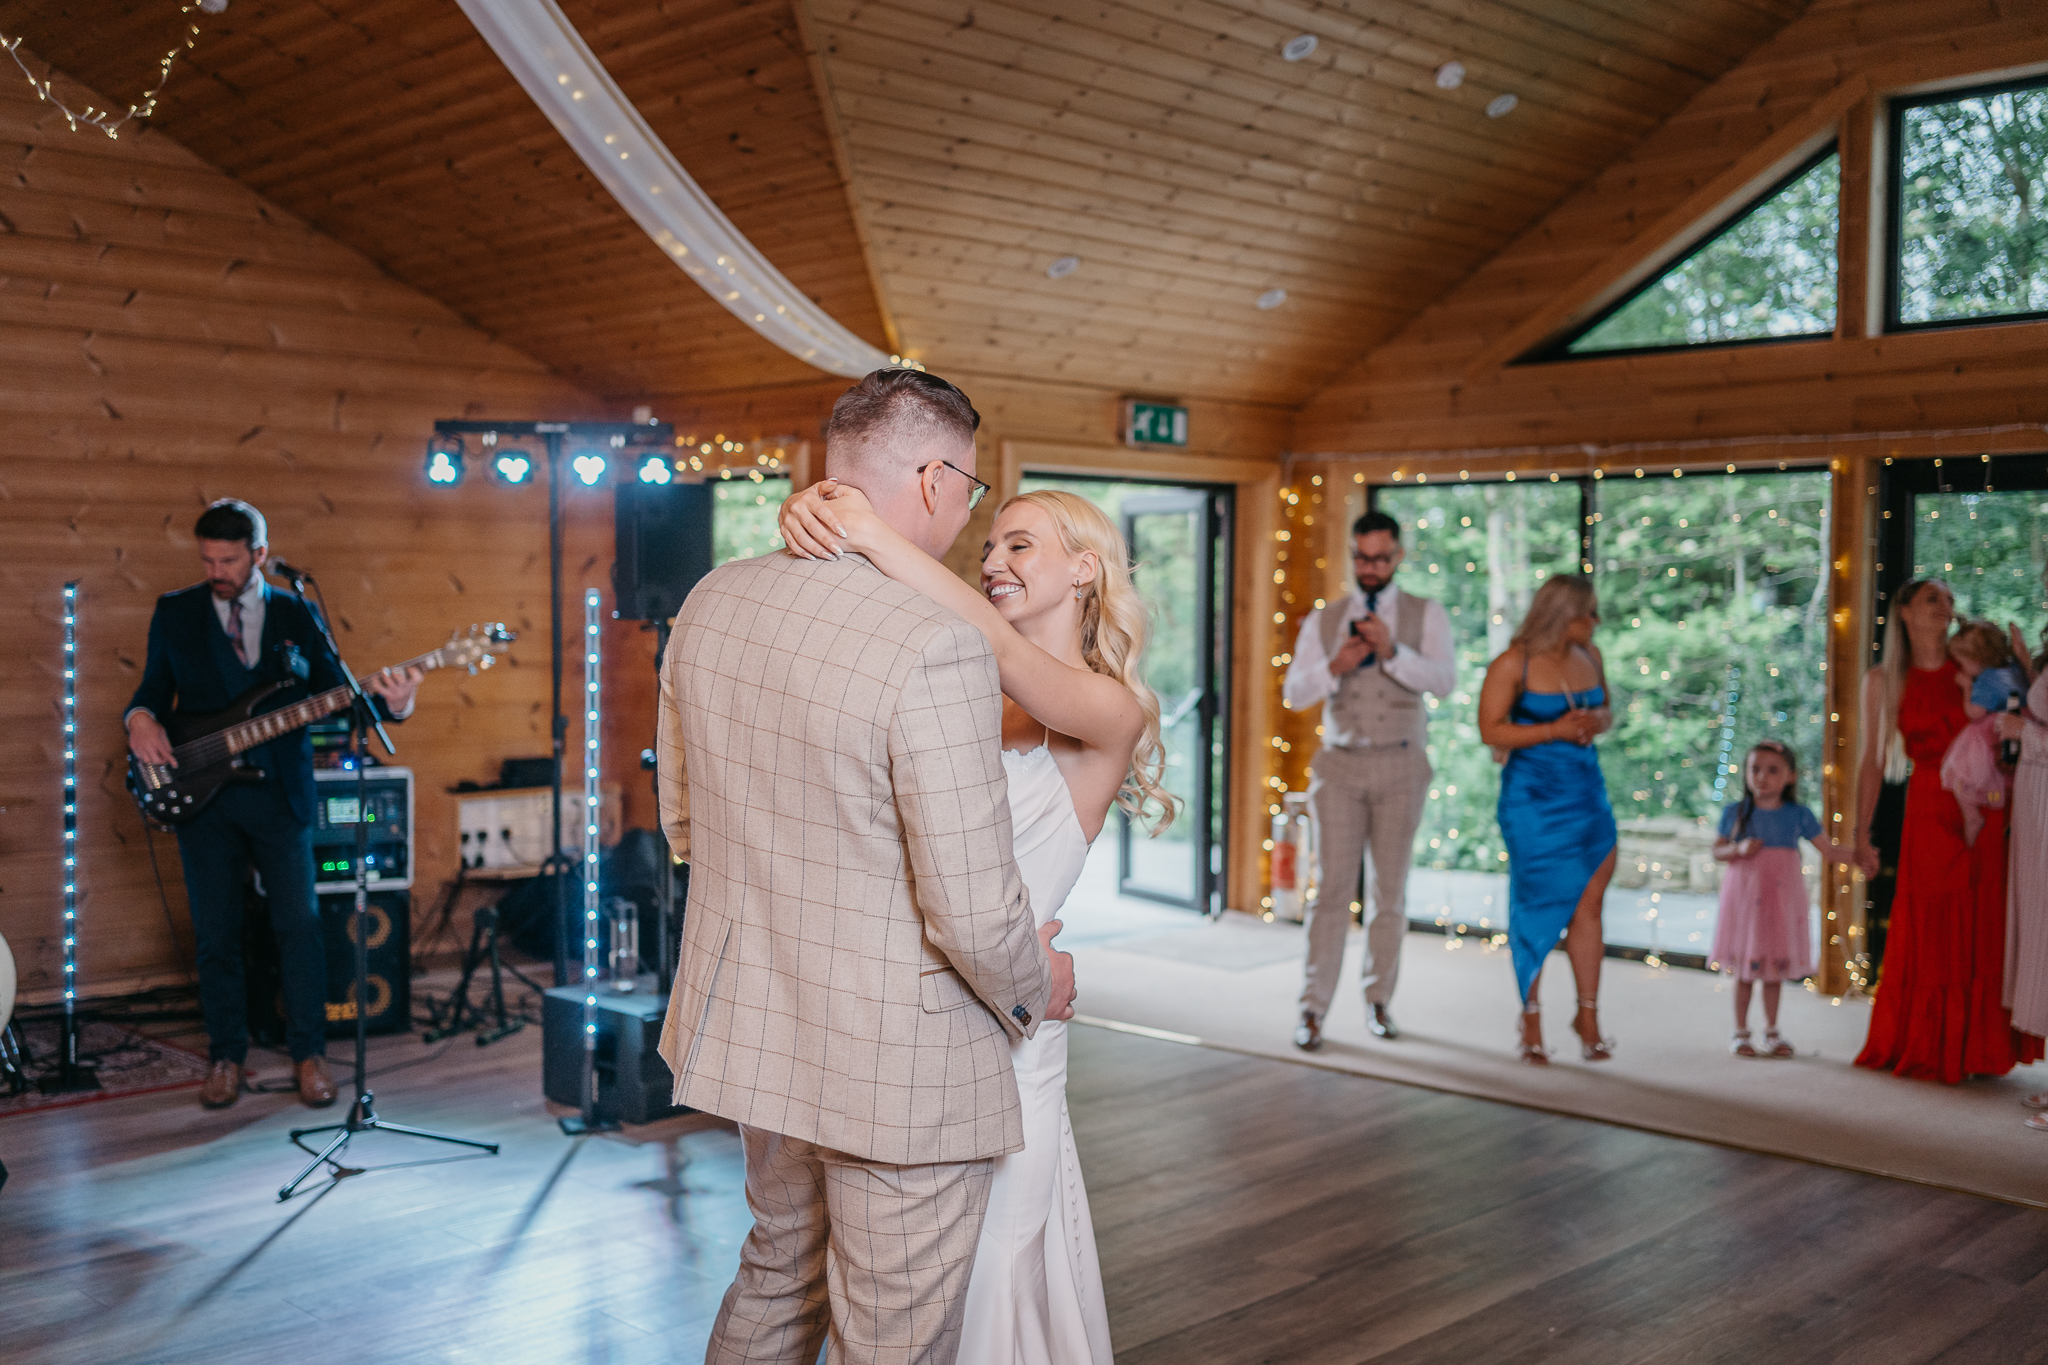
<point x="1060" y="1004"/>
<point x="820" y="521"/>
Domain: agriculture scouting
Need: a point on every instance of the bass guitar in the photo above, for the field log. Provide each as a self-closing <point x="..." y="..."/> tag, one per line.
<point x="207" y="745"/>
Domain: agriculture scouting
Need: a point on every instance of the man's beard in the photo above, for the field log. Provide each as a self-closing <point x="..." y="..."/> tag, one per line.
<point x="1380" y="586"/>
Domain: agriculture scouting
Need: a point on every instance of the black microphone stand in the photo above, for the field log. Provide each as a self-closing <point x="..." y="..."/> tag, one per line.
<point x="362" y="1113"/>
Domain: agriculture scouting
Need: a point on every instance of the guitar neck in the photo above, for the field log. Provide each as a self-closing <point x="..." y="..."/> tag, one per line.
<point x="262" y="729"/>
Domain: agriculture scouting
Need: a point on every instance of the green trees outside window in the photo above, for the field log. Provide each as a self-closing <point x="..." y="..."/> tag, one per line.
<point x="1969" y="233"/>
<point x="1770" y="273"/>
<point x="1991" y="548"/>
<point x="1714" y="619"/>
<point x="743" y="514"/>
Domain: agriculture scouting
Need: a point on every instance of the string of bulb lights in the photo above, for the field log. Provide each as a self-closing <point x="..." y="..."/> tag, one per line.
<point x="105" y="119"/>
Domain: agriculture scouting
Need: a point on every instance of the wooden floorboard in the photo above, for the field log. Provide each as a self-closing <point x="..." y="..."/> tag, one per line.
<point x="1247" y="1211"/>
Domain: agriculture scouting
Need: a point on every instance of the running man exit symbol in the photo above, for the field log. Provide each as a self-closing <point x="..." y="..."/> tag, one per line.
<point x="1154" y="424"/>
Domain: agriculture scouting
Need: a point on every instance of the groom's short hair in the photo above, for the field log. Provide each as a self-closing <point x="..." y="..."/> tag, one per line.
<point x="894" y="408"/>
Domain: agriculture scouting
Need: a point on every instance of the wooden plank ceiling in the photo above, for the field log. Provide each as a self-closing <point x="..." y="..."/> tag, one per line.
<point x="1166" y="143"/>
<point x="392" y="126"/>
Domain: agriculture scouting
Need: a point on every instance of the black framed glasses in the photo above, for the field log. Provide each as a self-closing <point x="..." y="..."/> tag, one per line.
<point x="1371" y="560"/>
<point x="974" y="494"/>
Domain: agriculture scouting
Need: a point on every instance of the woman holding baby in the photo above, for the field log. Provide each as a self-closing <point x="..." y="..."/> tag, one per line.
<point x="1940" y="1012"/>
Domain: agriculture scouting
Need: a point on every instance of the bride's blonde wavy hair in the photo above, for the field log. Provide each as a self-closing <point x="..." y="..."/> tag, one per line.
<point x="1113" y="630"/>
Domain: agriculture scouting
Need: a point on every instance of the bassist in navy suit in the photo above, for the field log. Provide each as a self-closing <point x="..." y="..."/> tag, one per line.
<point x="208" y="644"/>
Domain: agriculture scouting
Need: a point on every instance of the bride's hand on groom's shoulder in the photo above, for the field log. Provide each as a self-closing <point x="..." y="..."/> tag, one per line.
<point x="821" y="521"/>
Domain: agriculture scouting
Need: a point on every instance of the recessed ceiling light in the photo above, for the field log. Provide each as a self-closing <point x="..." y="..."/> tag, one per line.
<point x="1295" y="48"/>
<point x="1500" y="106"/>
<point x="1450" y="75"/>
<point x="1063" y="267"/>
<point x="1272" y="299"/>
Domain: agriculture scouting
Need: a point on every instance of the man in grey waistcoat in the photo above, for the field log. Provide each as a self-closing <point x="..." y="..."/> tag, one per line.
<point x="1368" y="659"/>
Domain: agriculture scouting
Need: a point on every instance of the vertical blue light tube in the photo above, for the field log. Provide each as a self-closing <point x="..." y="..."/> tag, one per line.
<point x="71" y="822"/>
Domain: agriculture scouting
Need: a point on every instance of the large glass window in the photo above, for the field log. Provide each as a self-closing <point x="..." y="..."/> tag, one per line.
<point x="1714" y="611"/>
<point x="1481" y="550"/>
<point x="1969" y="237"/>
<point x="1769" y="274"/>
<point x="1713" y="594"/>
<point x="1990" y="547"/>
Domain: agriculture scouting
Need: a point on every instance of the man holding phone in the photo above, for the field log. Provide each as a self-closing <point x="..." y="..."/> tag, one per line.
<point x="1368" y="659"/>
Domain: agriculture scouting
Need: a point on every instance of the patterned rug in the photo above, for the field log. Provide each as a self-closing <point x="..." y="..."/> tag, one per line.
<point x="127" y="1064"/>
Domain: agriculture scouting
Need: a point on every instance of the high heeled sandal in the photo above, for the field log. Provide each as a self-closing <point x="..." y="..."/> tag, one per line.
<point x="1776" y="1046"/>
<point x="1600" y="1049"/>
<point x="1532" y="1054"/>
<point x="1740" y="1045"/>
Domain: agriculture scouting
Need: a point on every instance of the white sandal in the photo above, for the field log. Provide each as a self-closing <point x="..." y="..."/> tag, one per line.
<point x="2037" y="1100"/>
<point x="1740" y="1046"/>
<point x="1600" y="1049"/>
<point x="1776" y="1046"/>
<point x="1532" y="1054"/>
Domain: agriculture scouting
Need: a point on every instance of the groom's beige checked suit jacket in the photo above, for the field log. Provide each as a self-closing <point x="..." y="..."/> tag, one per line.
<point x="858" y="945"/>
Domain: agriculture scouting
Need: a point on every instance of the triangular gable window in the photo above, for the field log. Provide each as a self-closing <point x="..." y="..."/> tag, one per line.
<point x="1768" y="275"/>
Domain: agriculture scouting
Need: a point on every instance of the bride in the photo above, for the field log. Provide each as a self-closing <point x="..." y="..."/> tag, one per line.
<point x="1080" y="733"/>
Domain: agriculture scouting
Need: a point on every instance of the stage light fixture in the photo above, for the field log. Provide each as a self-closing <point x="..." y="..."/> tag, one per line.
<point x="444" y="460"/>
<point x="656" y="470"/>
<point x="589" y="467"/>
<point x="512" y="467"/>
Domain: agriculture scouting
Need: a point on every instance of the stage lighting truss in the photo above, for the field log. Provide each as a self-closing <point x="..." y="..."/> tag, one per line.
<point x="592" y="665"/>
<point x="70" y="807"/>
<point x="444" y="460"/>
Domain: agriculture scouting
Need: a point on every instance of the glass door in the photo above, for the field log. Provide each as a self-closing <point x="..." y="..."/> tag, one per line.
<point x="1174" y="539"/>
<point x="1179" y="537"/>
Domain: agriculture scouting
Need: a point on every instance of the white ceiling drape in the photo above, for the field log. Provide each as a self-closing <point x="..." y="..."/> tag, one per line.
<point x="542" y="49"/>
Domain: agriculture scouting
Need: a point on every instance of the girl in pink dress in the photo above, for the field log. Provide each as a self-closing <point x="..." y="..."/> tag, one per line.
<point x="1763" y="933"/>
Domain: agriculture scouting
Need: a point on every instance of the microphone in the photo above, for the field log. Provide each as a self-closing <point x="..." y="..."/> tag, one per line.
<point x="288" y="571"/>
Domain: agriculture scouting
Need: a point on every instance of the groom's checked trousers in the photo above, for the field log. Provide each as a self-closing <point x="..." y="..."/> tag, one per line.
<point x="886" y="1291"/>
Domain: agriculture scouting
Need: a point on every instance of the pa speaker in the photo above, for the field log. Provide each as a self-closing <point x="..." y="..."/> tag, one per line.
<point x="390" y="978"/>
<point x="663" y="547"/>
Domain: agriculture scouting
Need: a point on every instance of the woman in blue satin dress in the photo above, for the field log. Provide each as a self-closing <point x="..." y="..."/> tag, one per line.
<point x="1544" y="703"/>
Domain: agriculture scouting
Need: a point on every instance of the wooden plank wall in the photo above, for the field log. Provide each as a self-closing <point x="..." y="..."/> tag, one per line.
<point x="1443" y="383"/>
<point x="167" y="337"/>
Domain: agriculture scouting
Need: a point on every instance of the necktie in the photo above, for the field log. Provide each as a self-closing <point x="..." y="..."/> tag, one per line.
<point x="1372" y="606"/>
<point x="235" y="631"/>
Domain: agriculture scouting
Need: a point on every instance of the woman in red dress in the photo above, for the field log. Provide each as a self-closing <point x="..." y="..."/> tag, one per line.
<point x="1939" y="1012"/>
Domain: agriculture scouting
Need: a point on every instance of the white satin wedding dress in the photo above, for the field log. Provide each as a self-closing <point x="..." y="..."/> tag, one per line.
<point x="1036" y="1293"/>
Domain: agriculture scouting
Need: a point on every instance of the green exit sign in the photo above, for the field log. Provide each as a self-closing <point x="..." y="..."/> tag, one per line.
<point x="1154" y="424"/>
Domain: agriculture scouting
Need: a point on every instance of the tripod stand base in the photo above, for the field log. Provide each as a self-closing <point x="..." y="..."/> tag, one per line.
<point x="362" y="1118"/>
<point x="576" y="1125"/>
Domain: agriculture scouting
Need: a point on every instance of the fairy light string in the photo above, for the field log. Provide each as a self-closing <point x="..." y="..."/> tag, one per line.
<point x="92" y="116"/>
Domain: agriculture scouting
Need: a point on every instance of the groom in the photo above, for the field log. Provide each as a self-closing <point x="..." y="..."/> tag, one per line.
<point x="859" y="948"/>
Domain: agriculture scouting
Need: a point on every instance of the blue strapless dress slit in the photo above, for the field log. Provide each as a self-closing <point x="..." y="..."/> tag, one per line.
<point x="1558" y="825"/>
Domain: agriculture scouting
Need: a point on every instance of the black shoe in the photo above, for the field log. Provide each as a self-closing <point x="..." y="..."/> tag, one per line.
<point x="1380" y="1023"/>
<point x="1308" y="1034"/>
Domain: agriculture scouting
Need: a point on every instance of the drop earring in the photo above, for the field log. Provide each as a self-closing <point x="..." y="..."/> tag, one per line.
<point x="1077" y="590"/>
